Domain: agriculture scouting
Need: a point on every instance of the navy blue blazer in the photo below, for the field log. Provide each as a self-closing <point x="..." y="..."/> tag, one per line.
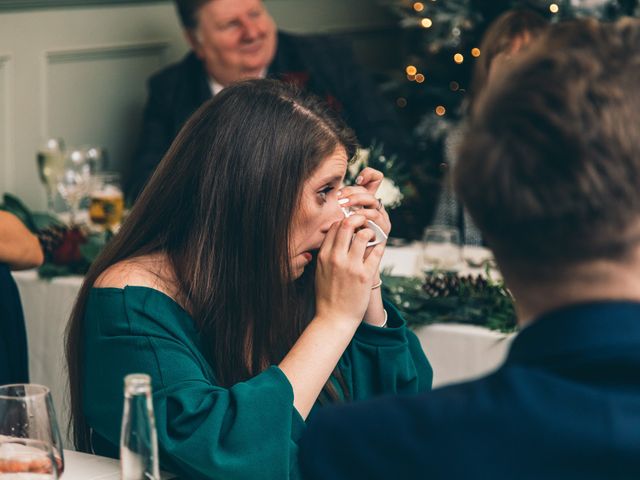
<point x="14" y="362"/>
<point x="565" y="405"/>
<point x="319" y="64"/>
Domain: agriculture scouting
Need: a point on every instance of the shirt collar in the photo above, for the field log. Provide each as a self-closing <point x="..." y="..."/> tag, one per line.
<point x="216" y="87"/>
<point x="578" y="329"/>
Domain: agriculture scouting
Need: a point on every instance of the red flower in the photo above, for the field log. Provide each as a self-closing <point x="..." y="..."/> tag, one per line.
<point x="68" y="253"/>
<point x="334" y="103"/>
<point x="299" y="79"/>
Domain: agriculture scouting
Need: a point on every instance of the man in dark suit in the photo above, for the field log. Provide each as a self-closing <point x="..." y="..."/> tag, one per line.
<point x="550" y="172"/>
<point x="234" y="40"/>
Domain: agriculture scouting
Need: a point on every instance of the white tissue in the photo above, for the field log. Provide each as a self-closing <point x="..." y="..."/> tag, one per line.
<point x="380" y="235"/>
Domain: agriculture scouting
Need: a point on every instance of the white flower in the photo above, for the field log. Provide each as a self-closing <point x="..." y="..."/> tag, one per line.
<point x="389" y="193"/>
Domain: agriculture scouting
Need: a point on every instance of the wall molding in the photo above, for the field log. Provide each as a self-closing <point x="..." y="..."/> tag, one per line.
<point x="107" y="52"/>
<point x="88" y="54"/>
<point x="8" y="164"/>
<point x="15" y="5"/>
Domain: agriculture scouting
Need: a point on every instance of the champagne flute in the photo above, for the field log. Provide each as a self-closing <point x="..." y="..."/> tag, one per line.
<point x="73" y="182"/>
<point x="26" y="459"/>
<point x="27" y="415"/>
<point x="97" y="159"/>
<point x="50" y="161"/>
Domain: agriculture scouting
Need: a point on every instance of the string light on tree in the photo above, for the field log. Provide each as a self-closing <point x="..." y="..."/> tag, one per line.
<point x="426" y="22"/>
<point x="444" y="36"/>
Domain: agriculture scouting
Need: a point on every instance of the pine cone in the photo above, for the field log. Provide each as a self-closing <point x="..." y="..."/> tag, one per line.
<point x="51" y="238"/>
<point x="61" y="244"/>
<point x="441" y="284"/>
<point x="446" y="284"/>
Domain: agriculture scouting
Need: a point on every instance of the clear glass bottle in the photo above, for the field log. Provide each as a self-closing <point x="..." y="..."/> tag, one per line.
<point x="138" y="437"/>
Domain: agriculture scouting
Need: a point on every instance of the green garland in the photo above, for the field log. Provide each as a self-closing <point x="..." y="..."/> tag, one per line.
<point x="447" y="298"/>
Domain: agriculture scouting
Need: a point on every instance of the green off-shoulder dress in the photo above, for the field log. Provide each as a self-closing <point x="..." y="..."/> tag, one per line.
<point x="205" y="431"/>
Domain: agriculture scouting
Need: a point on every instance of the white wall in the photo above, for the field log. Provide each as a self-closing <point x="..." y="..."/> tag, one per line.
<point x="79" y="72"/>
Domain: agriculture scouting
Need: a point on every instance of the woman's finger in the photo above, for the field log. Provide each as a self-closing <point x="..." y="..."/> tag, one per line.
<point x="370" y="178"/>
<point x="379" y="218"/>
<point x="365" y="200"/>
<point x="359" y="243"/>
<point x="373" y="259"/>
<point x="344" y="235"/>
<point x="329" y="239"/>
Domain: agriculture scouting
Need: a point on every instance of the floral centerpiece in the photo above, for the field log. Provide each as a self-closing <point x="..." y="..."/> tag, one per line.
<point x="389" y="192"/>
<point x="68" y="249"/>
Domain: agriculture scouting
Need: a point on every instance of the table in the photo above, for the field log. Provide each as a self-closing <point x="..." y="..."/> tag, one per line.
<point x="82" y="466"/>
<point x="456" y="352"/>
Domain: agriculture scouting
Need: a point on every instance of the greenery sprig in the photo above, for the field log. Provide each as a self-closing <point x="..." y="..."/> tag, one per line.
<point x="445" y="297"/>
<point x="69" y="250"/>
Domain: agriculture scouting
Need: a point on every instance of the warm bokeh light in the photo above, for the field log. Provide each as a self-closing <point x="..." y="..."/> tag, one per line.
<point x="418" y="6"/>
<point x="411" y="78"/>
<point x="554" y="8"/>
<point x="440" y="110"/>
<point x="419" y="78"/>
<point x="475" y="52"/>
<point x="458" y="58"/>
<point x="411" y="70"/>
<point x="454" y="86"/>
<point x="426" y="22"/>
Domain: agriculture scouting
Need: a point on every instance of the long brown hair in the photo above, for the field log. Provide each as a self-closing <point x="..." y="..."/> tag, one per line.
<point x="499" y="37"/>
<point x="220" y="206"/>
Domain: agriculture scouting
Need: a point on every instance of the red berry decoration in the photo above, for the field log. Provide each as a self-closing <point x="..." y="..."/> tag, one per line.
<point x="68" y="252"/>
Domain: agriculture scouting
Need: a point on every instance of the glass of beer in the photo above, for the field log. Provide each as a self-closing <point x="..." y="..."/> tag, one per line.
<point x="107" y="200"/>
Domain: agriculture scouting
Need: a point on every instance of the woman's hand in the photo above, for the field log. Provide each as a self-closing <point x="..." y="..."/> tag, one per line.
<point x="343" y="290"/>
<point x="344" y="276"/>
<point x="362" y="197"/>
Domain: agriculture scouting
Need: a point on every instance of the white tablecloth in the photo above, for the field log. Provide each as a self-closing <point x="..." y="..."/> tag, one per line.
<point x="81" y="466"/>
<point x="456" y="352"/>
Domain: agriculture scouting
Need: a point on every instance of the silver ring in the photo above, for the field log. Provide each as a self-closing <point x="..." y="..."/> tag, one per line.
<point x="379" y="207"/>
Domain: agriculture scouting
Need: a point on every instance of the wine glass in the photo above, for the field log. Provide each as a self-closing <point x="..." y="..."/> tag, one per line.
<point x="97" y="159"/>
<point x="73" y="182"/>
<point x="27" y="415"/>
<point x="441" y="249"/>
<point x="50" y="161"/>
<point x="26" y="459"/>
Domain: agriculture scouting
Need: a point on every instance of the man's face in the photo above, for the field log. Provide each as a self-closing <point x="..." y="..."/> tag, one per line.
<point x="236" y="39"/>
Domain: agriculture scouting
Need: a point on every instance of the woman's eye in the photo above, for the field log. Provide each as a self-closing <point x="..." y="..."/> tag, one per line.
<point x="323" y="193"/>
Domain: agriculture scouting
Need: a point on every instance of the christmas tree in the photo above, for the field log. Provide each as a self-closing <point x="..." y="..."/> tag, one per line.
<point x="441" y="41"/>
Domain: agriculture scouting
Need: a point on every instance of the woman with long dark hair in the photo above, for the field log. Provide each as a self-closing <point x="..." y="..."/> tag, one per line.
<point x="241" y="288"/>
